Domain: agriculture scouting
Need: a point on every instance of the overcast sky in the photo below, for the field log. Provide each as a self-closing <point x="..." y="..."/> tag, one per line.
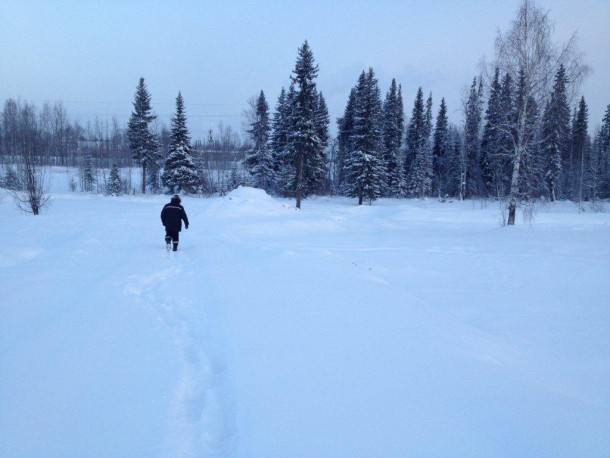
<point x="90" y="54"/>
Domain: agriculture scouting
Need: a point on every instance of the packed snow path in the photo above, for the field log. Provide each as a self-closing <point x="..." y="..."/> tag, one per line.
<point x="408" y="328"/>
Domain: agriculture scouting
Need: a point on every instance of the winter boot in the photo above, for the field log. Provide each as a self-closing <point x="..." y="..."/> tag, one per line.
<point x="175" y="246"/>
<point x="168" y="241"/>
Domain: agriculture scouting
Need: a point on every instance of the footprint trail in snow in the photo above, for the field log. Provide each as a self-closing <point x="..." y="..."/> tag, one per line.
<point x="201" y="421"/>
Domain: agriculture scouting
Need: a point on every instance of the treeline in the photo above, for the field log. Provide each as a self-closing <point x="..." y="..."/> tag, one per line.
<point x="378" y="154"/>
<point x="524" y="136"/>
<point x="52" y="138"/>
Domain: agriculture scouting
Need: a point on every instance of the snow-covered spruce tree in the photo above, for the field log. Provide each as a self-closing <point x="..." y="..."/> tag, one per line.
<point x="278" y="138"/>
<point x="594" y="172"/>
<point x="555" y="141"/>
<point x="393" y="125"/>
<point x="526" y="107"/>
<point x="440" y="152"/>
<point x="604" y="159"/>
<point x="472" y="140"/>
<point x="605" y="129"/>
<point x="305" y="151"/>
<point x="143" y="142"/>
<point x="235" y="180"/>
<point x="259" y="160"/>
<point x="317" y="181"/>
<point x="491" y="148"/>
<point x="115" y="185"/>
<point x="345" y="127"/>
<point x="580" y="143"/>
<point x="180" y="171"/>
<point x="506" y="134"/>
<point x="419" y="153"/>
<point x="87" y="173"/>
<point x="429" y="117"/>
<point x="364" y="170"/>
<point x="283" y="160"/>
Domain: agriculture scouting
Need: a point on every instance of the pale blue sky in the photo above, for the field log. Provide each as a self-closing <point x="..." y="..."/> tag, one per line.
<point x="90" y="54"/>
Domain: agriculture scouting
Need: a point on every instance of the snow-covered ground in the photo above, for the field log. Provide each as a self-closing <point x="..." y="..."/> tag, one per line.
<point x="406" y="328"/>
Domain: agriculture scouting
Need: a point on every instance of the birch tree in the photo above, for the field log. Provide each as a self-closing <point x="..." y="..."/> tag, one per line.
<point x="528" y="51"/>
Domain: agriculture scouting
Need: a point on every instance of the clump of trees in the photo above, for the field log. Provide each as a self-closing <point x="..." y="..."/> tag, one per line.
<point x="528" y="54"/>
<point x="518" y="140"/>
<point x="98" y="157"/>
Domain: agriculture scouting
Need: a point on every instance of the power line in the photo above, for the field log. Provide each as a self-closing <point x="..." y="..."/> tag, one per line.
<point x="130" y="102"/>
<point x="124" y="115"/>
<point x="161" y="115"/>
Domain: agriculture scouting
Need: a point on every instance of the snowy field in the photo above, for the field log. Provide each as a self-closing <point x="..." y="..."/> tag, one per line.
<point x="404" y="329"/>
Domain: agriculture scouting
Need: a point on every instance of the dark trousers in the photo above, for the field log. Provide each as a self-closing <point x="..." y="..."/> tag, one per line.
<point x="172" y="236"/>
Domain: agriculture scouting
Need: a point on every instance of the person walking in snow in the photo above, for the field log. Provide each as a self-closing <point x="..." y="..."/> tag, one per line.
<point x="172" y="216"/>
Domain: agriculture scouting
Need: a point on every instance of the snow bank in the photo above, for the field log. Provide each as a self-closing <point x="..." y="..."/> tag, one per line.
<point x="245" y="201"/>
<point x="244" y="194"/>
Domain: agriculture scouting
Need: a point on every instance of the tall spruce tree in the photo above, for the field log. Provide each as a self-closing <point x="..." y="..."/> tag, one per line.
<point x="595" y="168"/>
<point x="418" y="150"/>
<point x="279" y="135"/>
<point x="304" y="145"/>
<point x="580" y="143"/>
<point x="472" y="141"/>
<point x="259" y="159"/>
<point x="604" y="151"/>
<point x="440" y="152"/>
<point x="283" y="157"/>
<point x="429" y="116"/>
<point x="364" y="175"/>
<point x="555" y="133"/>
<point x="317" y="180"/>
<point x="180" y="172"/>
<point x="393" y="125"/>
<point x="345" y="126"/>
<point x="490" y="144"/>
<point x="605" y="130"/>
<point x="143" y="142"/>
<point x="506" y="128"/>
<point x="526" y="129"/>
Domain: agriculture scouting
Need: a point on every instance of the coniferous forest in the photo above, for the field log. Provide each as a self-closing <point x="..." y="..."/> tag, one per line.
<point x="525" y="134"/>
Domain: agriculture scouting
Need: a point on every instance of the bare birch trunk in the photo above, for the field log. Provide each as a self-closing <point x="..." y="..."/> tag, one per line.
<point x="514" y="187"/>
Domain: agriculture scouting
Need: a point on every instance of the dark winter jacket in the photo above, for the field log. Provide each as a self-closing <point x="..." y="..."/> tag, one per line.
<point x="172" y="216"/>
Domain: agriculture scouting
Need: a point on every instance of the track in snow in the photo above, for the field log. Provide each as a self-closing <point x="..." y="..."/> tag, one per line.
<point x="201" y="421"/>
